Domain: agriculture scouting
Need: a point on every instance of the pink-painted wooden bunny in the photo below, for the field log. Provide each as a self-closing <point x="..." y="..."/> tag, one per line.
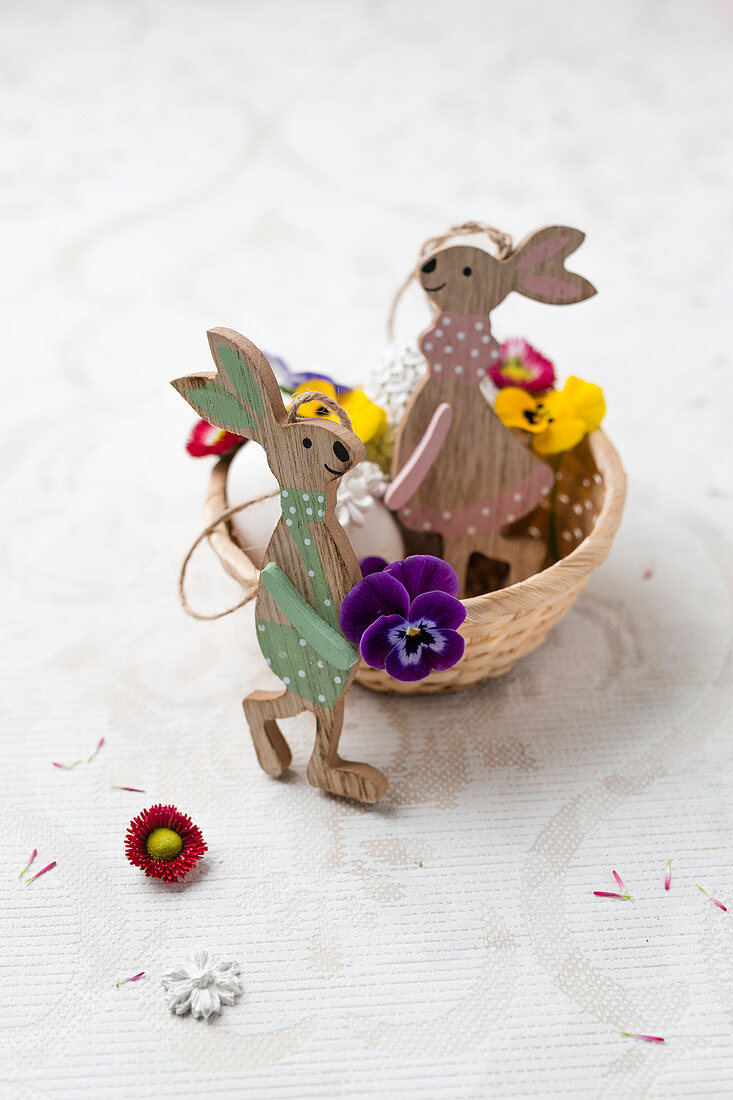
<point x="457" y="470"/>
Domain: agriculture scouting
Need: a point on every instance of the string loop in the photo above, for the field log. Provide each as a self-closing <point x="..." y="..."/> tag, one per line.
<point x="226" y="514"/>
<point x="327" y="402"/>
<point x="503" y="242"/>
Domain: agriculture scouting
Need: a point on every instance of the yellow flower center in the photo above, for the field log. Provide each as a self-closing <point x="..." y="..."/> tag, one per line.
<point x="538" y="414"/>
<point x="164" y="844"/>
<point x="513" y="369"/>
<point x="412" y="631"/>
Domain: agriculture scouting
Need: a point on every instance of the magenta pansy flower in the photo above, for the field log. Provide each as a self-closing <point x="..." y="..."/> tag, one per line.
<point x="519" y="364"/>
<point x="405" y="617"/>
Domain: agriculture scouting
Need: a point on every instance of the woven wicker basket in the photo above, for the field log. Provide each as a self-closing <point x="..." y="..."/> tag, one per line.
<point x="501" y="626"/>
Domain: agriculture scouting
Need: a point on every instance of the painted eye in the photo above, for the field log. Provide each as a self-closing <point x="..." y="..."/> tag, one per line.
<point x="307" y="442"/>
<point x="340" y="451"/>
<point x="467" y="271"/>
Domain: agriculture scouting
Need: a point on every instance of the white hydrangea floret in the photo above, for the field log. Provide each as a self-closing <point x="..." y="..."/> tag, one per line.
<point x="201" y="985"/>
<point x="395" y="378"/>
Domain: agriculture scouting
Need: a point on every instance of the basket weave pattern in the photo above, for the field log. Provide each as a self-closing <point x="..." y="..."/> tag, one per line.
<point x="502" y="626"/>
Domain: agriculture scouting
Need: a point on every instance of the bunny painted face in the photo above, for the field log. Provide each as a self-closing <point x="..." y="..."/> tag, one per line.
<point x="325" y="451"/>
<point x="464" y="280"/>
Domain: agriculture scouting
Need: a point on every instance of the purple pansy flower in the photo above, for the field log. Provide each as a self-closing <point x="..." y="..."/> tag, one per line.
<point x="372" y="564"/>
<point x="289" y="380"/>
<point x="405" y="617"/>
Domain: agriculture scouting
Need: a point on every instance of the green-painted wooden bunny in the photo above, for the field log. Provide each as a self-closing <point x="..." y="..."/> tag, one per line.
<point x="308" y="566"/>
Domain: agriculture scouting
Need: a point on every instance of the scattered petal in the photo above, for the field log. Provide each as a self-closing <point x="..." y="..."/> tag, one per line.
<point x="32" y="856"/>
<point x="134" y="978"/>
<point x="138" y="790"/>
<point x="38" y="874"/>
<point x="99" y="745"/>
<point x="714" y="900"/>
<point x="619" y="883"/>
<point x="668" y="875"/>
<point x="646" y="1038"/>
<point x="647" y="574"/>
<point x="607" y="894"/>
<point x="70" y="767"/>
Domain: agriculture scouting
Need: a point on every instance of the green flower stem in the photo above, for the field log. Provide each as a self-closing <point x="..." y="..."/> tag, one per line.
<point x="552" y="519"/>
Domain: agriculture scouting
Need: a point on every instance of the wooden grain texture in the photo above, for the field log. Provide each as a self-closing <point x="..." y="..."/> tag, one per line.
<point x="484" y="478"/>
<point x="308" y="458"/>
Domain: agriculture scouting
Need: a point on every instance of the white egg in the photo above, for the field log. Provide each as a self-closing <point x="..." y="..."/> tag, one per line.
<point x="370" y="526"/>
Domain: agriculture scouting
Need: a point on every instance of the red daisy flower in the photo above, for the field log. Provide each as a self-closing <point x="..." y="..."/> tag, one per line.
<point x="206" y="439"/>
<point x="164" y="843"/>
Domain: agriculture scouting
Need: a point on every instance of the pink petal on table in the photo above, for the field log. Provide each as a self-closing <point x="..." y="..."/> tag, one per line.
<point x="617" y="876"/>
<point x="41" y="872"/>
<point x="32" y="856"/>
<point x="607" y="894"/>
<point x="714" y="900"/>
<point x="99" y="745"/>
<point x="646" y="1038"/>
<point x="668" y="875"/>
<point x="134" y="978"/>
<point x="68" y="767"/>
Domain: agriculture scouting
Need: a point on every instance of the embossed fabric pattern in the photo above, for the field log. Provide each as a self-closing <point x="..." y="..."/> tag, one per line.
<point x="173" y="166"/>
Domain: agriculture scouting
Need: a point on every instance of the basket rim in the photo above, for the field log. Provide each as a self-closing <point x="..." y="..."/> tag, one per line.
<point x="490" y="606"/>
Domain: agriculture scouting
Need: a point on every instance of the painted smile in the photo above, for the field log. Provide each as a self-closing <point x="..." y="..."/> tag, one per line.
<point x="337" y="472"/>
<point x="432" y="289"/>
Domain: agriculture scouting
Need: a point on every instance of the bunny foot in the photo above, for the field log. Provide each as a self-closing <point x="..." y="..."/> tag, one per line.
<point x="261" y="708"/>
<point x="347" y="779"/>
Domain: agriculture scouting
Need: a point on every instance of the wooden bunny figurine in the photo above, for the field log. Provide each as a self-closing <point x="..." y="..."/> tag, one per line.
<point x="457" y="470"/>
<point x="308" y="566"/>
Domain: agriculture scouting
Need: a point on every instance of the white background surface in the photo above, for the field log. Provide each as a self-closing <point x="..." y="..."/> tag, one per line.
<point x="170" y="166"/>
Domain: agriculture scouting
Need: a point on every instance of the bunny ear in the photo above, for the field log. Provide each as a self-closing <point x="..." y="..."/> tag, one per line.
<point x="242" y="396"/>
<point x="538" y="267"/>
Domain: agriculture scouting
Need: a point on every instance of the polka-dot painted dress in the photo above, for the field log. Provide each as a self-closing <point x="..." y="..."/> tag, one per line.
<point x="479" y="493"/>
<point x="289" y="655"/>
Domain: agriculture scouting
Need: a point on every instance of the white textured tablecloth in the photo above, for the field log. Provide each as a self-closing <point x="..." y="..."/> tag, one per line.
<point x="171" y="166"/>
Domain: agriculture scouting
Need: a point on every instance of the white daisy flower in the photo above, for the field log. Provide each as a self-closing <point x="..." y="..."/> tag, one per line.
<point x="201" y="985"/>
<point x="357" y="492"/>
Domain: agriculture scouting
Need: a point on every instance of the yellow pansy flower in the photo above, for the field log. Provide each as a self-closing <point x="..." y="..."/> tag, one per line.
<point x="367" y="419"/>
<point x="559" y="419"/>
